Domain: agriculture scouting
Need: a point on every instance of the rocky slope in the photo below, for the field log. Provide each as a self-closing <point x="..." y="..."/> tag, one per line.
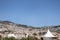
<point x="7" y="26"/>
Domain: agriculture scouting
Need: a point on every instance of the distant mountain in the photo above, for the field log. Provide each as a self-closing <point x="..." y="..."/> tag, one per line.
<point x="13" y="27"/>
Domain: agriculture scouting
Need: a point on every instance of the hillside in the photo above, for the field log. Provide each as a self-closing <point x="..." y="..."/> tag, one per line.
<point x="7" y="26"/>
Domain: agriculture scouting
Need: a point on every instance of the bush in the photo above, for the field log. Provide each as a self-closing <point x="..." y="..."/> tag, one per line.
<point x="11" y="38"/>
<point x="30" y="38"/>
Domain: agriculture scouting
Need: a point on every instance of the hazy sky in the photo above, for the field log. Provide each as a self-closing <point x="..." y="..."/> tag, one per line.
<point x="31" y="12"/>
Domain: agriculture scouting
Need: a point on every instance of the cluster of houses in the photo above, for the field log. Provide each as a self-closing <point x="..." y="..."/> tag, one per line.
<point x="47" y="36"/>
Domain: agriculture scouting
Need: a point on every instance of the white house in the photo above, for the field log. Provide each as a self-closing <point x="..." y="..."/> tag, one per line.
<point x="11" y="35"/>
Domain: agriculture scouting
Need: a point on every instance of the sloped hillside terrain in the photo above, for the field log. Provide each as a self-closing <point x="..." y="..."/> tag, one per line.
<point x="7" y="26"/>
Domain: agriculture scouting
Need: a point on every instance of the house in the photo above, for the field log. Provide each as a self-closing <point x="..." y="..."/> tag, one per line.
<point x="11" y="35"/>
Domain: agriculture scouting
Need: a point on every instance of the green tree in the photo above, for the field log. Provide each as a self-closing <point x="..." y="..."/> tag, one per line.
<point x="11" y="38"/>
<point x="6" y="38"/>
<point x="34" y="34"/>
<point x="0" y="37"/>
<point x="29" y="38"/>
<point x="23" y="38"/>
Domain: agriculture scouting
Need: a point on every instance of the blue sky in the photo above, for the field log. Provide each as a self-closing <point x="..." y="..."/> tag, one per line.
<point x="31" y="12"/>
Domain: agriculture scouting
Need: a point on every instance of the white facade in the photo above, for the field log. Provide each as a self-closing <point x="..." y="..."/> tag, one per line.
<point x="16" y="35"/>
<point x="48" y="34"/>
<point x="11" y="35"/>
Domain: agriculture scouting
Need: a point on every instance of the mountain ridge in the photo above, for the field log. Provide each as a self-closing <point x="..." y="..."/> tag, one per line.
<point x="11" y="26"/>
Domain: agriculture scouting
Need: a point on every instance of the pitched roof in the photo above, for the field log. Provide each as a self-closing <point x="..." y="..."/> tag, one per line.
<point x="48" y="34"/>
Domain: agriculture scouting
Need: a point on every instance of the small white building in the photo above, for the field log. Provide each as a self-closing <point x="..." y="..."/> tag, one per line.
<point x="16" y="35"/>
<point x="11" y="35"/>
<point x="49" y="36"/>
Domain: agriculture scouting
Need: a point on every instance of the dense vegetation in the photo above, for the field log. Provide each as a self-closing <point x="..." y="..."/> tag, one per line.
<point x="12" y="38"/>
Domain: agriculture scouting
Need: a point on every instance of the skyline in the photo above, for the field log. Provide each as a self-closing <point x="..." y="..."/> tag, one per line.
<point x="31" y="12"/>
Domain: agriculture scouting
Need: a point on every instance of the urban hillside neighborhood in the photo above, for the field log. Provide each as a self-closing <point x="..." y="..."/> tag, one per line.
<point x="18" y="31"/>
